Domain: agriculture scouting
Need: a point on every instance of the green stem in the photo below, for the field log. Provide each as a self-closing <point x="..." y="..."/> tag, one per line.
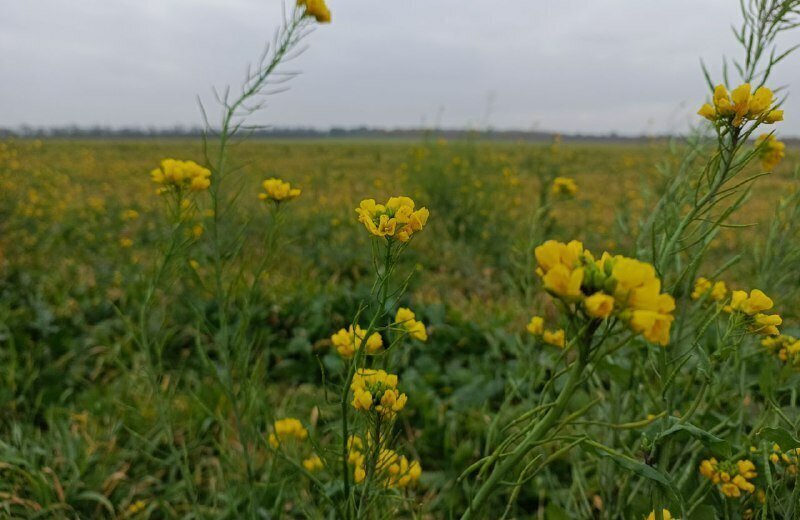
<point x="383" y="296"/>
<point x="254" y="85"/>
<point x="372" y="467"/>
<point x="536" y="434"/>
<point x="709" y="197"/>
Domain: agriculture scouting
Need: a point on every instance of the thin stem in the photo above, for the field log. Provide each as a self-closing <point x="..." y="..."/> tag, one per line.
<point x="536" y="434"/>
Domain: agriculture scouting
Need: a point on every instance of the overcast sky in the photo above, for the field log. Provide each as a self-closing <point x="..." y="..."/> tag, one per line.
<point x="629" y="66"/>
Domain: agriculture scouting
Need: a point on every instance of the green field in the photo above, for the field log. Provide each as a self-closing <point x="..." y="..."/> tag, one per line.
<point x="95" y="425"/>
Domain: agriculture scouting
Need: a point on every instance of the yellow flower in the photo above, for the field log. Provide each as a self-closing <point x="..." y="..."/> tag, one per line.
<point x="665" y="514"/>
<point x="376" y="388"/>
<point x="562" y="281"/>
<point x="368" y="209"/>
<point x="130" y="214"/>
<point x="703" y="285"/>
<point x="348" y="341"/>
<point x="746" y="469"/>
<point x="399" y="206"/>
<point x="767" y="324"/>
<point x="638" y="290"/>
<point x="730" y="478"/>
<point x="418" y="219"/>
<point x="406" y="319"/>
<point x="722" y="100"/>
<point x="719" y="291"/>
<point x="397" y="218"/>
<point x="708" y="468"/>
<point x="359" y="474"/>
<point x="708" y="112"/>
<point x="179" y="175"/>
<point x="316" y="9"/>
<point x="741" y="105"/>
<point x="536" y="326"/>
<point x="730" y="490"/>
<point x="410" y="475"/>
<point x="564" y="186"/>
<point x="401" y="473"/>
<point x="392" y="469"/>
<point x="417" y="331"/>
<point x="599" y="305"/>
<point x="386" y="226"/>
<point x="786" y="348"/>
<point x="392" y="402"/>
<point x="362" y="399"/>
<point x="285" y="429"/>
<point x="631" y="274"/>
<point x="654" y="326"/>
<point x="554" y="337"/>
<point x="771" y="151"/>
<point x="614" y="284"/>
<point x="313" y="463"/>
<point x="750" y="304"/>
<point x="278" y="191"/>
<point x="774" y="116"/>
<point x="125" y="242"/>
<point x="737" y="299"/>
<point x="355" y="444"/>
<point x="199" y="184"/>
<point x="553" y="253"/>
<point x="760" y="102"/>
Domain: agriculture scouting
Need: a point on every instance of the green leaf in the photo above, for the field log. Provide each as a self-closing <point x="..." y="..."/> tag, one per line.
<point x="639" y="468"/>
<point x="719" y="447"/>
<point x="780" y="436"/>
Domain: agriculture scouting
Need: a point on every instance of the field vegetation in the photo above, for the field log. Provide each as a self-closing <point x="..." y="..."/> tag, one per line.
<point x="232" y="328"/>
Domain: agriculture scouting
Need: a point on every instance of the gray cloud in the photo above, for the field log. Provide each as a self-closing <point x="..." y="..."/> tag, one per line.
<point x="588" y="65"/>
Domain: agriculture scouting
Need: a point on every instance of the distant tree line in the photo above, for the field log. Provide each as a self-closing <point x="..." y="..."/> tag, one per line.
<point x="361" y="132"/>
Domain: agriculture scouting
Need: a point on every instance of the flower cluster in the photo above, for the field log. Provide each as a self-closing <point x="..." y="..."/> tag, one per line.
<point x="750" y="307"/>
<point x="393" y="470"/>
<point x="564" y="186"/>
<point x="316" y="9"/>
<point x="741" y="105"/>
<point x="179" y="175"/>
<point x="613" y="285"/>
<point x="278" y="191"/>
<point x="408" y="322"/>
<point x="375" y="389"/>
<point x="788" y="459"/>
<point x="786" y="347"/>
<point x="715" y="290"/>
<point x="746" y="306"/>
<point x="730" y="478"/>
<point x="770" y="151"/>
<point x="551" y="337"/>
<point x="286" y="429"/>
<point x="396" y="219"/>
<point x="348" y="341"/>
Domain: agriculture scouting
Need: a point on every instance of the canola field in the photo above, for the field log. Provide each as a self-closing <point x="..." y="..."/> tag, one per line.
<point x="236" y="328"/>
<point x="94" y="426"/>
